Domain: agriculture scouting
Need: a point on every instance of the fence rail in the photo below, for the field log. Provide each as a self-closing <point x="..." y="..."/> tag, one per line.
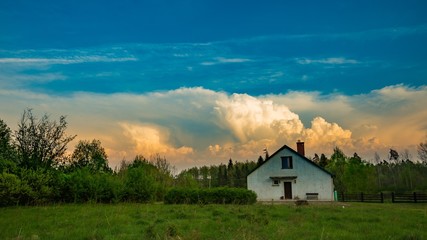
<point x="381" y="197"/>
<point x="361" y="197"/>
<point x="414" y="197"/>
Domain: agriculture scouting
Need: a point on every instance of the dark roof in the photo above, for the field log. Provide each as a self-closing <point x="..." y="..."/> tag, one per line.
<point x="295" y="152"/>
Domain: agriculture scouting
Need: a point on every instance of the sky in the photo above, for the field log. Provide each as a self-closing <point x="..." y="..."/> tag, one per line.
<point x="200" y="82"/>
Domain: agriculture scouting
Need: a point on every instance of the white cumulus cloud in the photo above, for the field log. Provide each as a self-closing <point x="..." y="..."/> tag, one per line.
<point x="197" y="126"/>
<point x="151" y="140"/>
<point x="251" y="118"/>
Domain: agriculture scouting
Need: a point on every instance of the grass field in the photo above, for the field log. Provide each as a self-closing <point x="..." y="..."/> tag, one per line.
<point x="260" y="221"/>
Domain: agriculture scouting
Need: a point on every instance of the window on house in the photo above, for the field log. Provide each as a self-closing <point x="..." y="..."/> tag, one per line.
<point x="275" y="182"/>
<point x="287" y="162"/>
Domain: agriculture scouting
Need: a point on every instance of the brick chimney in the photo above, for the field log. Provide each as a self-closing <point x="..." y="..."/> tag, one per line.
<point x="300" y="148"/>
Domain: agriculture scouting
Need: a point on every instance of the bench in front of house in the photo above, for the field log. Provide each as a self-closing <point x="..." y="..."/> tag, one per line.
<point x="312" y="196"/>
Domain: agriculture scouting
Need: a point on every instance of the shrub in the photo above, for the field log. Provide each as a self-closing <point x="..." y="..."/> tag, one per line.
<point x="140" y="185"/>
<point x="210" y="196"/>
<point x="42" y="185"/>
<point x="86" y="186"/>
<point x="12" y="190"/>
<point x="30" y="187"/>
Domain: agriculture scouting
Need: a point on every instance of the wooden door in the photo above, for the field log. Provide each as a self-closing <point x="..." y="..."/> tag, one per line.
<point x="288" y="190"/>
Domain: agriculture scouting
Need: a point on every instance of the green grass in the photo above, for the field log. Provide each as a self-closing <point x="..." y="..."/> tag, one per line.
<point x="158" y="221"/>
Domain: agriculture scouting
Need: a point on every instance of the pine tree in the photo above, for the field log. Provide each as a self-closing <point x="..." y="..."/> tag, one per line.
<point x="260" y="161"/>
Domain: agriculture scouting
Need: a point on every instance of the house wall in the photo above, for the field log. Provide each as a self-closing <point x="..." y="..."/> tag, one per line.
<point x="310" y="179"/>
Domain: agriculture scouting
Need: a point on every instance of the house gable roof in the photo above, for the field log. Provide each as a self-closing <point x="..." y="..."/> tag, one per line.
<point x="296" y="153"/>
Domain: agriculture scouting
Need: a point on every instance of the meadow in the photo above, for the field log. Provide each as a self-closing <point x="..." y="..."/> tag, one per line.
<point x="259" y="221"/>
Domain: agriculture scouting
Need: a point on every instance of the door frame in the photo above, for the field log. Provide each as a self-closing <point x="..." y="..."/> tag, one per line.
<point x="287" y="190"/>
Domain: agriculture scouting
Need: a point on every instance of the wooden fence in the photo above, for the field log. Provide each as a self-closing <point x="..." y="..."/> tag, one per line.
<point x="361" y="197"/>
<point x="381" y="197"/>
<point x="414" y="197"/>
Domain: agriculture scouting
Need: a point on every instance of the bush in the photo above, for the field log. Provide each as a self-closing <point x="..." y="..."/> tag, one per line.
<point x="140" y="185"/>
<point x="7" y="165"/>
<point x="84" y="186"/>
<point x="210" y="196"/>
<point x="12" y="190"/>
<point x="42" y="185"/>
<point x="29" y="187"/>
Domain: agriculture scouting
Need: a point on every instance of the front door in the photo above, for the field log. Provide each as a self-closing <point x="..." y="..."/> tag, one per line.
<point x="288" y="190"/>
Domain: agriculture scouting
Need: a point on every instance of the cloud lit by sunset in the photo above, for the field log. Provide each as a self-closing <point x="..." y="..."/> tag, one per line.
<point x="204" y="126"/>
<point x="226" y="88"/>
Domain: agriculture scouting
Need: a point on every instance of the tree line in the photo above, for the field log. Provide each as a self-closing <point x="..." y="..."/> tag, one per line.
<point x="397" y="173"/>
<point x="35" y="169"/>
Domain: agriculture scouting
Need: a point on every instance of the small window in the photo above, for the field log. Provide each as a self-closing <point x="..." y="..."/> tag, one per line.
<point x="287" y="162"/>
<point x="275" y="182"/>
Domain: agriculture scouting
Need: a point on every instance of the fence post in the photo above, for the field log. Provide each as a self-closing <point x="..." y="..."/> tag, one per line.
<point x="415" y="197"/>
<point x="342" y="197"/>
<point x="361" y="196"/>
<point x="392" y="197"/>
<point x="382" y="197"/>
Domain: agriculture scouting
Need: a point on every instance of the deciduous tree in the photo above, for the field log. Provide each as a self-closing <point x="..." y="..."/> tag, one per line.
<point x="422" y="151"/>
<point x="41" y="142"/>
<point x="323" y="160"/>
<point x="7" y="150"/>
<point x="5" y="140"/>
<point x="337" y="166"/>
<point x="91" y="155"/>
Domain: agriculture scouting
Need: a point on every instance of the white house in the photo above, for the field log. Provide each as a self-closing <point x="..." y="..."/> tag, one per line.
<point x="288" y="174"/>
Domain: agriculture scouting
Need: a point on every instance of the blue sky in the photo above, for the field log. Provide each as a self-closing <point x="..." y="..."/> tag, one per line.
<point x="304" y="56"/>
<point x="82" y="23"/>
<point x="351" y="46"/>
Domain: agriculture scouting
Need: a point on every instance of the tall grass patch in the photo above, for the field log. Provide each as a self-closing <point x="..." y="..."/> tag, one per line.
<point x="210" y="196"/>
<point x="215" y="221"/>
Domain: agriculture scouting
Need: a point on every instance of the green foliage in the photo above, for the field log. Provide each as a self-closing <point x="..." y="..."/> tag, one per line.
<point x="42" y="184"/>
<point x="8" y="155"/>
<point x="140" y="184"/>
<point x="90" y="155"/>
<point x="232" y="175"/>
<point x="398" y="174"/>
<point x="210" y="196"/>
<point x="337" y="167"/>
<point x="146" y="181"/>
<point x="163" y="175"/>
<point x="83" y="185"/>
<point x="323" y="161"/>
<point x="30" y="173"/>
<point x="7" y="165"/>
<point x="29" y="187"/>
<point x="12" y="190"/>
<point x="140" y="181"/>
<point x="403" y="176"/>
<point x="41" y="143"/>
<point x="187" y="180"/>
